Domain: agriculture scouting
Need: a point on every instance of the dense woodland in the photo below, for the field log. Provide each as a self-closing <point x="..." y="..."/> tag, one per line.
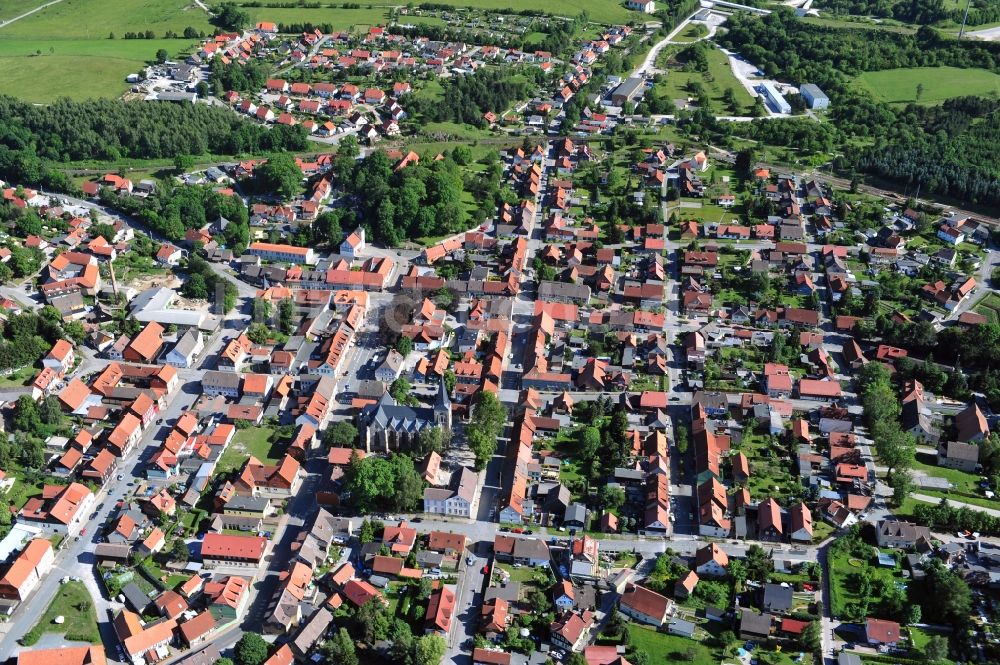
<point x="467" y="98"/>
<point x="171" y="212"/>
<point x="921" y="12"/>
<point x="109" y="130"/>
<point x="949" y="149"/>
<point x="422" y="199"/>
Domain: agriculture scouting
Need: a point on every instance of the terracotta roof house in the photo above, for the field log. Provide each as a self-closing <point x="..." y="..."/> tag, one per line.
<point x="27" y="570"/>
<point x="440" y="610"/>
<point x="400" y="539"/>
<point x="881" y="632"/>
<point x="800" y="527"/>
<point x="269" y="481"/>
<point x="684" y="587"/>
<point x="360" y="592"/>
<point x="85" y="655"/>
<point x="146" y="346"/>
<point x="219" y="549"/>
<point x="59" y="510"/>
<point x="711" y="561"/>
<point x="644" y="605"/>
<point x="769" y="526"/>
<point x="137" y="639"/>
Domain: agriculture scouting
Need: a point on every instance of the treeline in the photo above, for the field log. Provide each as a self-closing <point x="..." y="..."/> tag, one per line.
<point x="445" y="7"/>
<point x="110" y="130"/>
<point x="467" y="98"/>
<point x="188" y="33"/>
<point x="945" y="517"/>
<point x="895" y="447"/>
<point x="921" y="12"/>
<point x="806" y="135"/>
<point x="171" y="212"/>
<point x="243" y="77"/>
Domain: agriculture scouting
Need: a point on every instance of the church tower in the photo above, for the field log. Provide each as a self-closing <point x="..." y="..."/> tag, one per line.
<point x="442" y="407"/>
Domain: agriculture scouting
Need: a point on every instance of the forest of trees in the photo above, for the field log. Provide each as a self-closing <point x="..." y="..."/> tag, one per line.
<point x="949" y="149"/>
<point x="921" y="12"/>
<point x="423" y="199"/>
<point x="467" y="98"/>
<point x="952" y="152"/>
<point x="101" y="129"/>
<point x="171" y="212"/>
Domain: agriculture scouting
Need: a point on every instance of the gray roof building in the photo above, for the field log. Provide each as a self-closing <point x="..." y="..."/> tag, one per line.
<point x="777" y="598"/>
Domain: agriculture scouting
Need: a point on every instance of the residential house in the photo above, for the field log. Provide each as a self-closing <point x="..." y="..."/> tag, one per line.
<point x="645" y="605"/>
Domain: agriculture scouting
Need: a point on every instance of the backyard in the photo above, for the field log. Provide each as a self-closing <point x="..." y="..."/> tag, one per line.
<point x="849" y="560"/>
<point x="74" y="604"/>
<point x="256" y="441"/>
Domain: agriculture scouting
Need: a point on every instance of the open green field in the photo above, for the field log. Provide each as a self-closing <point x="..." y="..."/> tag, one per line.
<point x="74" y="604"/>
<point x="601" y="11"/>
<point x="11" y="8"/>
<point x="899" y="86"/>
<point x="96" y="19"/>
<point x="716" y="80"/>
<point x="65" y="51"/>
<point x="79" y="69"/>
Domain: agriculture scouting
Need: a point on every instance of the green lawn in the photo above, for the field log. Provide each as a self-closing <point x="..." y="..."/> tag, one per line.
<point x="76" y="68"/>
<point x="845" y="566"/>
<point x="693" y="32"/>
<point x="718" y="77"/>
<point x="821" y="531"/>
<point x="899" y="86"/>
<point x="960" y="480"/>
<point x="74" y="604"/>
<point x="134" y="266"/>
<point x="668" y="649"/>
<point x="18" y="378"/>
<point x="256" y="441"/>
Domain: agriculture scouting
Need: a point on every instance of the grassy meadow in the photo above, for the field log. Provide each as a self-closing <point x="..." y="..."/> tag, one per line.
<point x="899" y="86"/>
